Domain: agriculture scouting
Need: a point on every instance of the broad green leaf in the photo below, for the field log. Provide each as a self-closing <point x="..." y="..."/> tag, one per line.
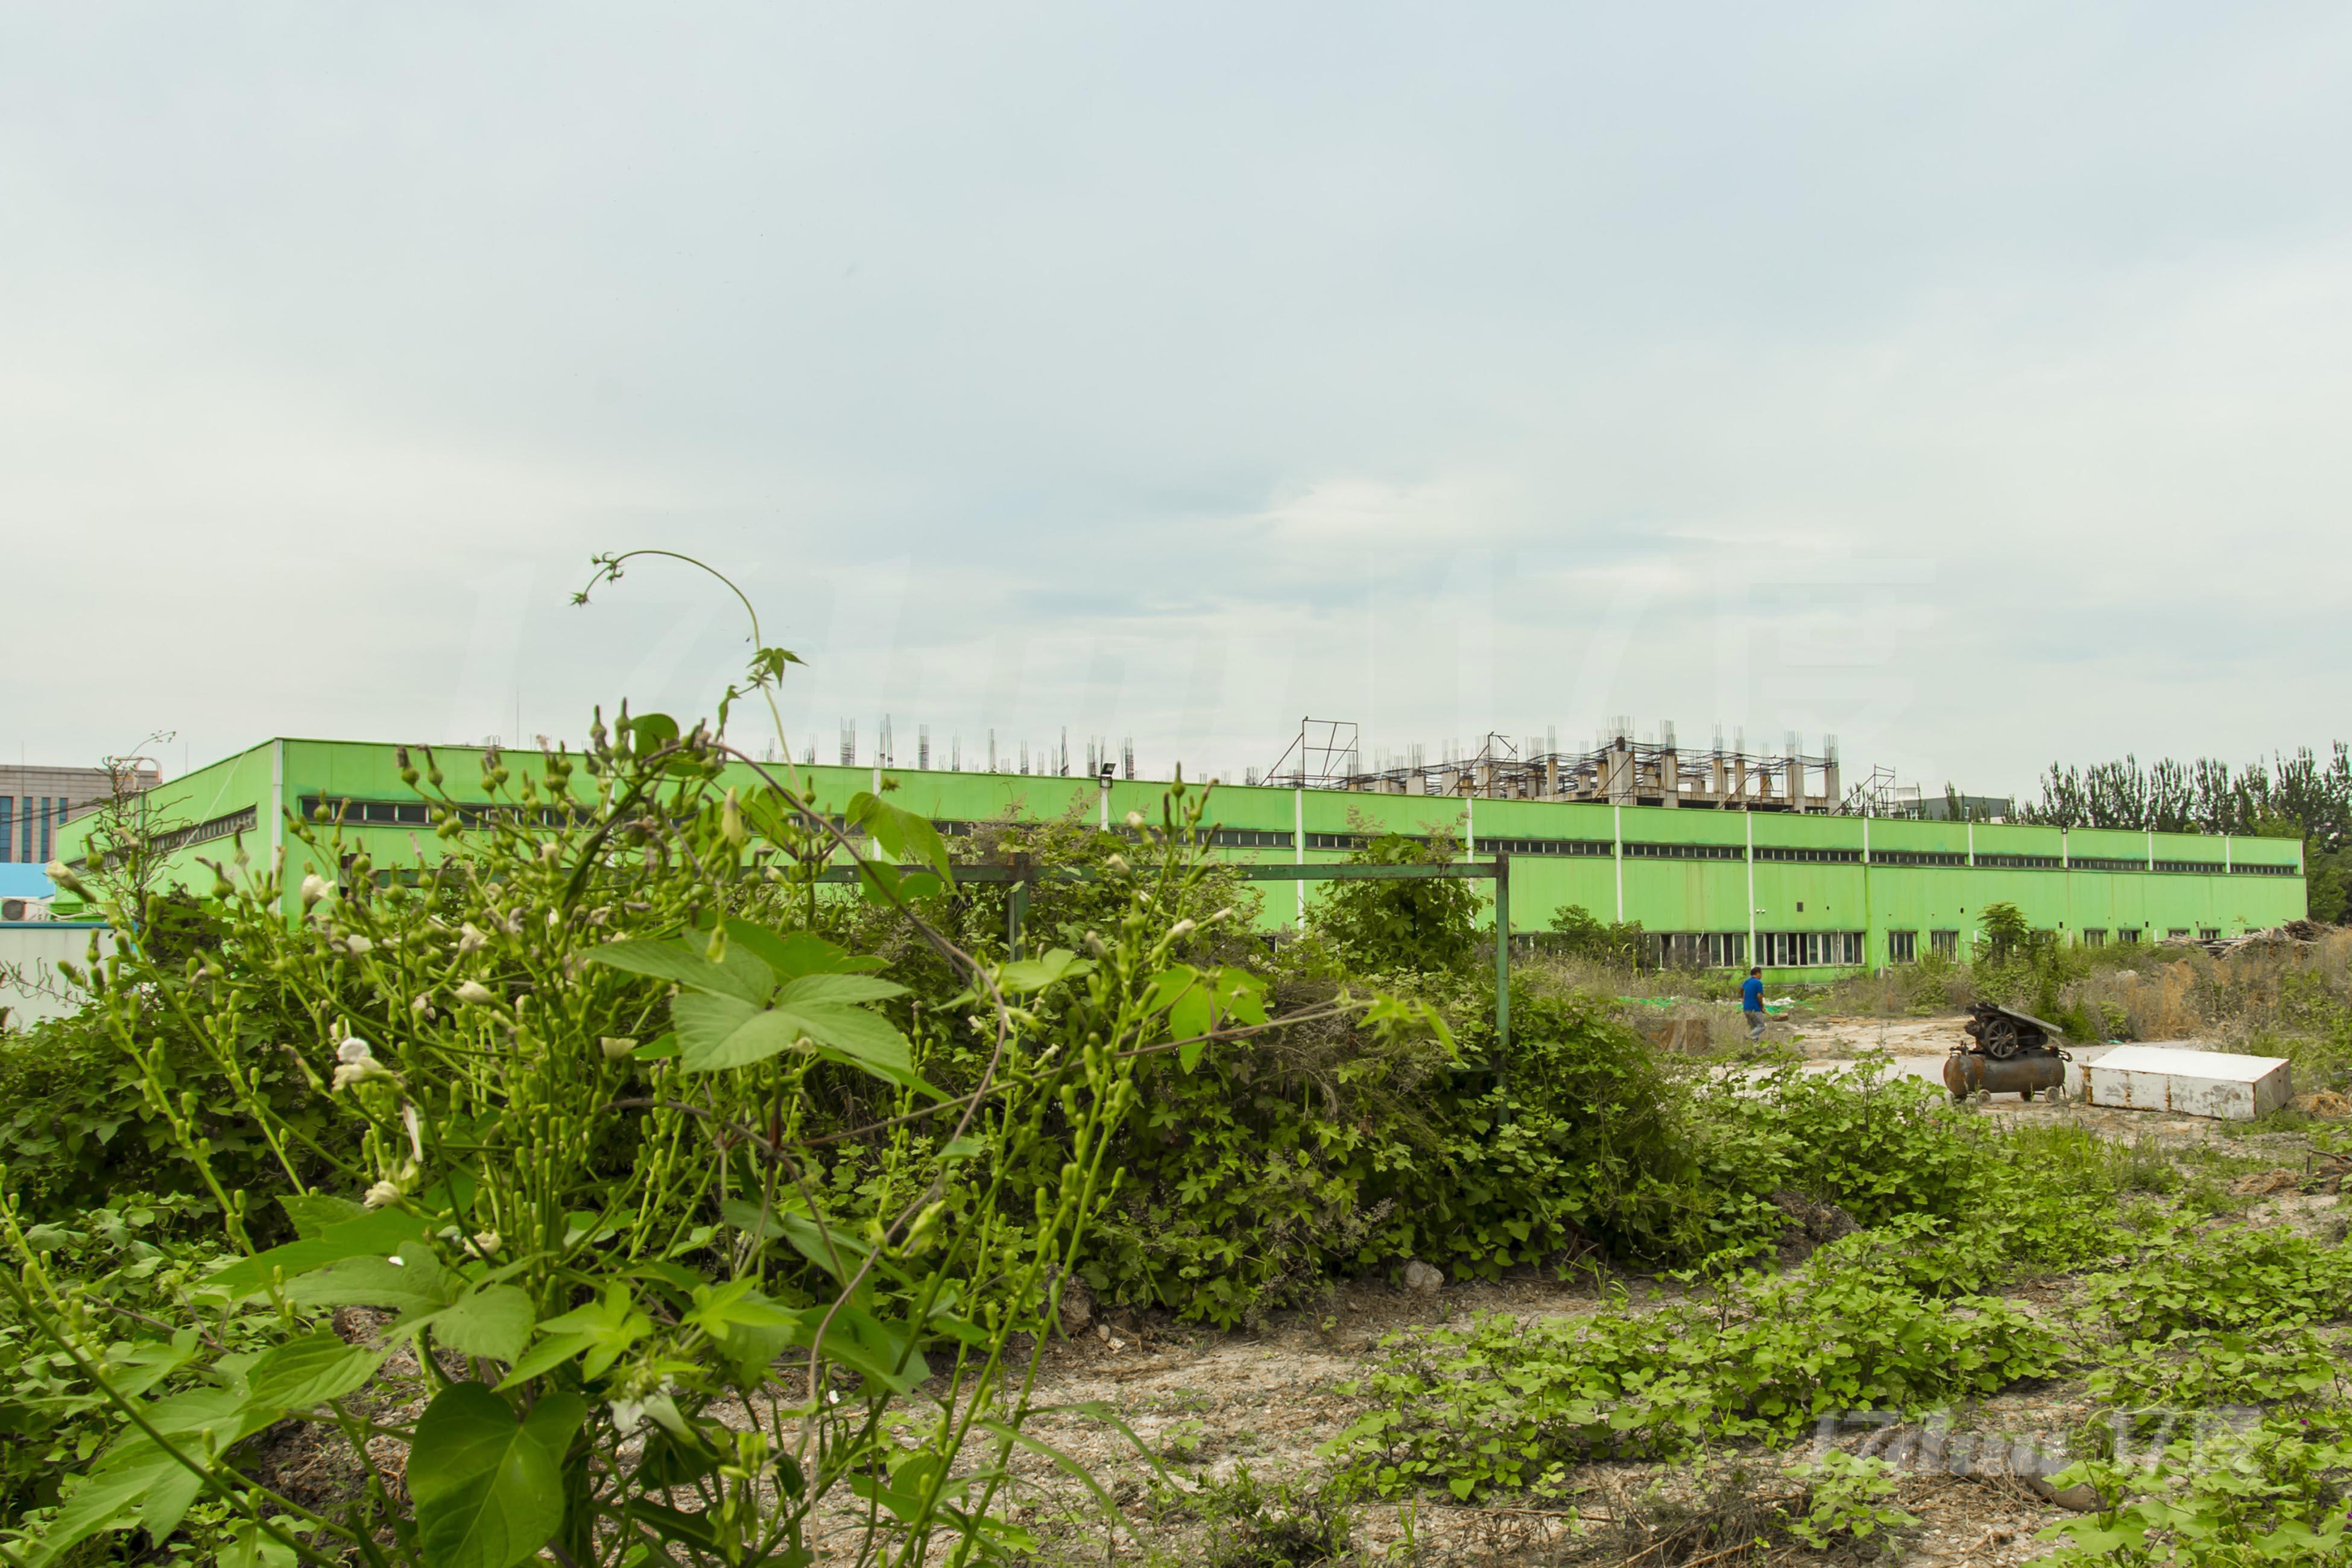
<point x="310" y="1370"/>
<point x="899" y="831"/>
<point x="718" y="1032"/>
<point x="314" y="1213"/>
<point x="107" y="1496"/>
<point x="745" y="1307"/>
<point x="1168" y="984"/>
<point x="495" y="1322"/>
<point x="693" y="1531"/>
<point x="865" y="1343"/>
<point x="649" y="732"/>
<point x="413" y="1284"/>
<point x="837" y="988"/>
<point x="602" y="1329"/>
<point x="377" y="1232"/>
<point x="488" y="1488"/>
<point x="134" y="1369"/>
<point x="1036" y="974"/>
<point x="247" y="1547"/>
<point x="545" y="1357"/>
<point x="687" y="966"/>
<point x="792" y="954"/>
<point x="880" y="882"/>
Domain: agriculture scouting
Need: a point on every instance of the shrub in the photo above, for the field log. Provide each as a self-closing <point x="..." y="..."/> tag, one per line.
<point x="610" y="1133"/>
<point x="1415" y="925"/>
<point x="1583" y="934"/>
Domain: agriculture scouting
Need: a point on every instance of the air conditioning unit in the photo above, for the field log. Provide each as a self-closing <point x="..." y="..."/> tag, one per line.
<point x="15" y="911"/>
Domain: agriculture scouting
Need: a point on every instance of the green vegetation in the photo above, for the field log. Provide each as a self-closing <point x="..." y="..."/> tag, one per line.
<point x="617" y="1190"/>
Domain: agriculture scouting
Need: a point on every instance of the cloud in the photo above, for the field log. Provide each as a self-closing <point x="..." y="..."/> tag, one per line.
<point x="1960" y="382"/>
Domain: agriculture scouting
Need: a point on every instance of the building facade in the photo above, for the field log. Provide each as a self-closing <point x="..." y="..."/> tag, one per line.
<point x="36" y="802"/>
<point x="1806" y="896"/>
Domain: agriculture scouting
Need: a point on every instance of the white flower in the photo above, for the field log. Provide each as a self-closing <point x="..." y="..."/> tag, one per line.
<point x="356" y="943"/>
<point x="628" y="1414"/>
<point x="1117" y="864"/>
<point x="315" y="888"/>
<point x="1134" y="819"/>
<point x="1224" y="914"/>
<point x="1183" y="927"/>
<point x="408" y="1119"/>
<point x="380" y="1193"/>
<point x="615" y="1047"/>
<point x="485" y="1242"/>
<point x="474" y="993"/>
<point x="470" y="937"/>
<point x="358" y="1064"/>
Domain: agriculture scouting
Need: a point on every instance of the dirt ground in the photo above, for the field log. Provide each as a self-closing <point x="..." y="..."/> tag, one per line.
<point x="1209" y="1403"/>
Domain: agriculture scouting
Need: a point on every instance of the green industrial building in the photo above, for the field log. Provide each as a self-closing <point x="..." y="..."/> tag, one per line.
<point x="1808" y="895"/>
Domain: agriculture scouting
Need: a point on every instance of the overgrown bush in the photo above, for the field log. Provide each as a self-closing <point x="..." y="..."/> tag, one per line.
<point x="1418" y="925"/>
<point x="606" y="1132"/>
<point x="1585" y="936"/>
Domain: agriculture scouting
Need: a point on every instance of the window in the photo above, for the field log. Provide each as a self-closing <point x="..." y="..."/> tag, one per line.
<point x="2104" y="863"/>
<point x="48" y="810"/>
<point x="7" y="816"/>
<point x="2023" y="862"/>
<point x="2212" y="867"/>
<point x="2259" y="869"/>
<point x="1902" y="946"/>
<point x="2127" y="936"/>
<point x="1695" y="949"/>
<point x="1944" y="943"/>
<point x="220" y="826"/>
<point x="1684" y="851"/>
<point x="1808" y="949"/>
<point x="1543" y="846"/>
<point x="1831" y="856"/>
<point x="2208" y="933"/>
<point x="2094" y="936"/>
<point x="1917" y="858"/>
<point x="2176" y="930"/>
<point x="351" y="813"/>
<point x="1349" y="840"/>
<point x="1248" y="838"/>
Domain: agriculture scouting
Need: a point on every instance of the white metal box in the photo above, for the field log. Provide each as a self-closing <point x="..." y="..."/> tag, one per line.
<point x="2196" y="1083"/>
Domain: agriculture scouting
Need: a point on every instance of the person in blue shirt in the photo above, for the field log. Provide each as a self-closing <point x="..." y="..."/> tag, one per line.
<point x="1751" y="1002"/>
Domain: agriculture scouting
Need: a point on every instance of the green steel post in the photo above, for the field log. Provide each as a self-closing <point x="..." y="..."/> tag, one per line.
<point x="1016" y="904"/>
<point x="1503" y="952"/>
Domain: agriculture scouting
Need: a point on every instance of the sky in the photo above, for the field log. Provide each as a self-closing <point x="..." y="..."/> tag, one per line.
<point x="1964" y="382"/>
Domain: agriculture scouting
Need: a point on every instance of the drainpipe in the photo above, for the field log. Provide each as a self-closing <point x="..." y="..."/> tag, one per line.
<point x="1617" y="846"/>
<point x="1750" y="817"/>
<point x="1298" y="846"/>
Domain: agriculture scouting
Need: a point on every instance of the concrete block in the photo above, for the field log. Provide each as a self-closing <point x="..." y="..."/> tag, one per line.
<point x="2219" y="1084"/>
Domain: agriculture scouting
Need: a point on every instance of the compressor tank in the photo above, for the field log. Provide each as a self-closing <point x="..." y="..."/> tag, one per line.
<point x="1965" y="1072"/>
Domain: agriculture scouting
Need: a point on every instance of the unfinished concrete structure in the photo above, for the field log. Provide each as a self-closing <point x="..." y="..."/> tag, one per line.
<point x="1620" y="770"/>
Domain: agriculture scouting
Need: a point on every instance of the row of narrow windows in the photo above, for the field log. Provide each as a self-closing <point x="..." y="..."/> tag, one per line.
<point x="416" y="814"/>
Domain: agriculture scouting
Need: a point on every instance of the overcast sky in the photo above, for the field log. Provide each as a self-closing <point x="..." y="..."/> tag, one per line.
<point x="1969" y="382"/>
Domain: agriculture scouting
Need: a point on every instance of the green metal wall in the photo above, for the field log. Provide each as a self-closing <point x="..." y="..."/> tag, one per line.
<point x="1665" y="894"/>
